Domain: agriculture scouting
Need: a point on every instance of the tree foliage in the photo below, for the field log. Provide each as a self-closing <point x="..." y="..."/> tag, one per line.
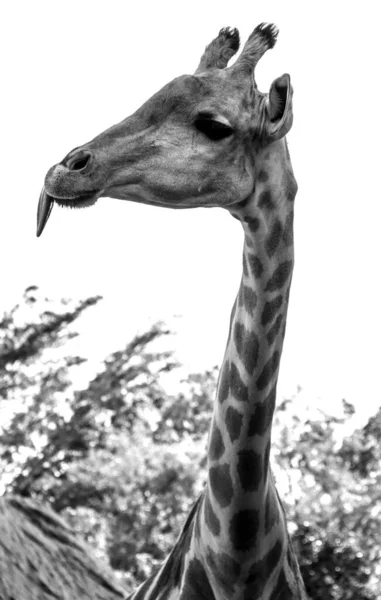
<point x="123" y="460"/>
<point x="335" y="518"/>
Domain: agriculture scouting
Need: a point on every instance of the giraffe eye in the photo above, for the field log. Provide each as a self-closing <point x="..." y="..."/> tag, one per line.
<point x="214" y="130"/>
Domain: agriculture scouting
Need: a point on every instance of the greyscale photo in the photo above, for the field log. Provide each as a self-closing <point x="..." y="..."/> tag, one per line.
<point x="190" y="405"/>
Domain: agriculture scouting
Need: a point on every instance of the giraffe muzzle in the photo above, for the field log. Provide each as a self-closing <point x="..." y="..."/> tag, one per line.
<point x="67" y="184"/>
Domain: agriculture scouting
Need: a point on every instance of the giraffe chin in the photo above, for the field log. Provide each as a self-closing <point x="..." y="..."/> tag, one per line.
<point x="46" y="201"/>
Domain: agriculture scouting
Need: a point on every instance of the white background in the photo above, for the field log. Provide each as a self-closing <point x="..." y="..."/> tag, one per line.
<point x="71" y="69"/>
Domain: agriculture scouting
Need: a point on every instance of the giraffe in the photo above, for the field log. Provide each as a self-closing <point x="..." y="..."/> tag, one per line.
<point x="212" y="139"/>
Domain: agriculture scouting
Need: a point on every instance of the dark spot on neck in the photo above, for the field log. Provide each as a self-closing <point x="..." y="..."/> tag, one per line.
<point x="249" y="468"/>
<point x="225" y="570"/>
<point x="265" y="200"/>
<point x="272" y="512"/>
<point x="217" y="446"/>
<point x="250" y="299"/>
<point x="211" y="518"/>
<point x="268" y="371"/>
<point x="270" y="310"/>
<point x="261" y="419"/>
<point x="255" y="265"/>
<point x="233" y="422"/>
<point x="244" y="529"/>
<point x="196" y="583"/>
<point x="273" y="239"/>
<point x="243" y="203"/>
<point x="238" y="388"/>
<point x="288" y="231"/>
<point x="280" y="276"/>
<point x="261" y="570"/>
<point x="223" y="383"/>
<point x="247" y="345"/>
<point x="263" y="176"/>
<point x="273" y="332"/>
<point x="253" y="223"/>
<point x="221" y="484"/>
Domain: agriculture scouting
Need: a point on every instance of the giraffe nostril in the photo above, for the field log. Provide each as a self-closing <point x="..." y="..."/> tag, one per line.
<point x="78" y="163"/>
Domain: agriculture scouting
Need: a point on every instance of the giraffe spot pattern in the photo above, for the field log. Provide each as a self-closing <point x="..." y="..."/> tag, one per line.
<point x="279" y="277"/>
<point x="273" y="239"/>
<point x="211" y="518"/>
<point x="292" y="187"/>
<point x="263" y="176"/>
<point x="240" y="295"/>
<point x="290" y="194"/>
<point x="242" y="203"/>
<point x="196" y="583"/>
<point x="282" y="590"/>
<point x="261" y="419"/>
<point x="256" y="266"/>
<point x="262" y="569"/>
<point x="243" y="529"/>
<point x="249" y="470"/>
<point x="233" y="422"/>
<point x="221" y="484"/>
<point x="271" y="511"/>
<point x="247" y="345"/>
<point x="197" y="523"/>
<point x="273" y="332"/>
<point x="288" y="231"/>
<point x="253" y="223"/>
<point x="225" y="569"/>
<point x="250" y="299"/>
<point x="270" y="310"/>
<point x="268" y="371"/>
<point x="223" y="384"/>
<point x="265" y="200"/>
<point x="244" y="266"/>
<point x="266" y="459"/>
<point x="237" y="387"/>
<point x="217" y="446"/>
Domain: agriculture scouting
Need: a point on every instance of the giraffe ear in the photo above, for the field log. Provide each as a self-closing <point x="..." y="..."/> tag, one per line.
<point x="279" y="108"/>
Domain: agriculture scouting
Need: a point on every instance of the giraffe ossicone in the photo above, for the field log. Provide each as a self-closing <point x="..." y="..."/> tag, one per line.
<point x="212" y="139"/>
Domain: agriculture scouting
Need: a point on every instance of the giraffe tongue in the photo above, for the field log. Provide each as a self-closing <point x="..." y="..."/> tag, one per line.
<point x="45" y="205"/>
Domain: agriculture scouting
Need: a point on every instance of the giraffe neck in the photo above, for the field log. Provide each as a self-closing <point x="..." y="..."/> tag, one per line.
<point x="242" y="517"/>
<point x="234" y="543"/>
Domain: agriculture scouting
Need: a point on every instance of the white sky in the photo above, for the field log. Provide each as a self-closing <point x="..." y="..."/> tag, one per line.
<point x="73" y="68"/>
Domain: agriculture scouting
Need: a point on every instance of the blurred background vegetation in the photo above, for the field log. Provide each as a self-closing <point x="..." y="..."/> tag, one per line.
<point x="123" y="459"/>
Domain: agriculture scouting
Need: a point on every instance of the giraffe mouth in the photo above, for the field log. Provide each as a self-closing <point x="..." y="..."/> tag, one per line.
<point x="46" y="201"/>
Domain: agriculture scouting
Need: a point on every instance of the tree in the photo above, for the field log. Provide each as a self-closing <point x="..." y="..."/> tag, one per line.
<point x="34" y="376"/>
<point x="90" y="453"/>
<point x="335" y="518"/>
<point x="123" y="460"/>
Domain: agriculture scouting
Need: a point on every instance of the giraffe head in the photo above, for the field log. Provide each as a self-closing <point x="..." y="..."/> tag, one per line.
<point x="193" y="143"/>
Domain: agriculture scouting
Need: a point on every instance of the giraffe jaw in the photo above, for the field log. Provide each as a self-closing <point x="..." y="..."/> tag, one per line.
<point x="46" y="201"/>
